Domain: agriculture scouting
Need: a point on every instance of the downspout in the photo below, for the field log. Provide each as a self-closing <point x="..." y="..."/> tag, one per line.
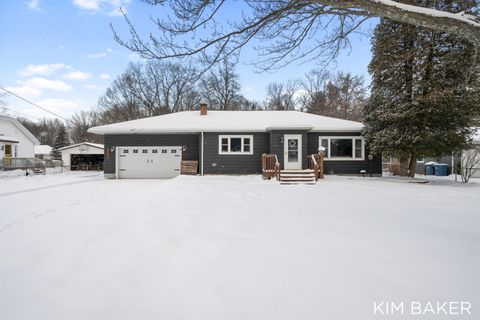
<point x="116" y="163"/>
<point x="201" y="154"/>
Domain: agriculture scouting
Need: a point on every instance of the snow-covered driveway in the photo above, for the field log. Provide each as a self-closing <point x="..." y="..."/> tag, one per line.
<point x="80" y="247"/>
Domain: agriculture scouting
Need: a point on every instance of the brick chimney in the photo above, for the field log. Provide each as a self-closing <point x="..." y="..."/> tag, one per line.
<point x="203" y="109"/>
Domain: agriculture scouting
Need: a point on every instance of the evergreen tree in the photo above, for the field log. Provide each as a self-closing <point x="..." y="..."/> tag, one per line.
<point x="425" y="92"/>
<point x="61" y="140"/>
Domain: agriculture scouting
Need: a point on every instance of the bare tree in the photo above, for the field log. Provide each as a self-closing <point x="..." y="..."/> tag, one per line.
<point x="150" y="89"/>
<point x="281" y="96"/>
<point x="279" y="28"/>
<point x="44" y="130"/>
<point x="470" y="163"/>
<point x="79" y="124"/>
<point x="341" y="95"/>
<point x="351" y="95"/>
<point x="222" y="87"/>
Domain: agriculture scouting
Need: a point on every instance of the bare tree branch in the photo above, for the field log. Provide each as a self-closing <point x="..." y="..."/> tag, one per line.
<point x="283" y="31"/>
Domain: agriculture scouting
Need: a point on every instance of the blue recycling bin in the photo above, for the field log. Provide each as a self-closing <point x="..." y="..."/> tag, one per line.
<point x="441" y="169"/>
<point x="430" y="169"/>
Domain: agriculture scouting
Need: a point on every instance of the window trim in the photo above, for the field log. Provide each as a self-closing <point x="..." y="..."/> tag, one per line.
<point x="353" y="138"/>
<point x="229" y="137"/>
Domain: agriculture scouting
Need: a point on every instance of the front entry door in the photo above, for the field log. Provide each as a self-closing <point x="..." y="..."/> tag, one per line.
<point x="292" y="151"/>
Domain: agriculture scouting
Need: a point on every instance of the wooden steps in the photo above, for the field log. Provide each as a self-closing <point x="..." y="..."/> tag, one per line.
<point x="297" y="176"/>
<point x="39" y="171"/>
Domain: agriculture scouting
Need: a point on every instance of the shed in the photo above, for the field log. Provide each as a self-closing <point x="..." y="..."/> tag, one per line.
<point x="43" y="151"/>
<point x="83" y="156"/>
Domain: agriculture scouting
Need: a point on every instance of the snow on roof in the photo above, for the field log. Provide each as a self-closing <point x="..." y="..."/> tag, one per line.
<point x="95" y="145"/>
<point x="43" y="149"/>
<point x="8" y="139"/>
<point x="229" y="121"/>
<point x="21" y="127"/>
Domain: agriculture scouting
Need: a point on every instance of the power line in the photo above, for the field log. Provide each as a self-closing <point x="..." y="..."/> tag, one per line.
<point x="20" y="113"/>
<point x="34" y="104"/>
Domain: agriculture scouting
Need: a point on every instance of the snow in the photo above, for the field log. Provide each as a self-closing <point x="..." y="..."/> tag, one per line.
<point x="229" y="121"/>
<point x="8" y="139"/>
<point x="95" y="145"/>
<point x="43" y="149"/>
<point x="76" y="246"/>
<point x="461" y="16"/>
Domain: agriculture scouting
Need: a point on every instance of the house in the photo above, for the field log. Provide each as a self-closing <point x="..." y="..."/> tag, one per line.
<point x="83" y="156"/>
<point x="7" y="145"/>
<point x="24" y="142"/>
<point x="232" y="142"/>
<point x="43" y="151"/>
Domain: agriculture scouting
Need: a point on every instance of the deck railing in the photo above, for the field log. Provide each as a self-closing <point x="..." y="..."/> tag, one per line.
<point x="22" y="163"/>
<point x="270" y="166"/>
<point x="315" y="163"/>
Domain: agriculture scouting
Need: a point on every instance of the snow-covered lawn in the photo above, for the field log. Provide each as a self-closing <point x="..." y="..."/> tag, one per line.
<point x="75" y="246"/>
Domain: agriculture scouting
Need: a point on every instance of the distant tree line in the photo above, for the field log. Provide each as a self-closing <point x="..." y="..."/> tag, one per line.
<point x="156" y="87"/>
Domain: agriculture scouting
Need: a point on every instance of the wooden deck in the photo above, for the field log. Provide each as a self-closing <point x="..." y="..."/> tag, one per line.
<point x="271" y="169"/>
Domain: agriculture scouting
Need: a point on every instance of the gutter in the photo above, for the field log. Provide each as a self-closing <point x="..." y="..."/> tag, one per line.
<point x="201" y="153"/>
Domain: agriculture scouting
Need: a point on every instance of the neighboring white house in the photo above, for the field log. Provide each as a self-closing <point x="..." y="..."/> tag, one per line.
<point x="43" y="152"/>
<point x="81" y="155"/>
<point x="24" y="144"/>
<point x="7" y="145"/>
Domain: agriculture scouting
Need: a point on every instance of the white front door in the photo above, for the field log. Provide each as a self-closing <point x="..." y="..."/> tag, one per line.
<point x="292" y="151"/>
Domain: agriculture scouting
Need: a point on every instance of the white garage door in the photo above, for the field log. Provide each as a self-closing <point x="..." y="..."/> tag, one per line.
<point x="149" y="162"/>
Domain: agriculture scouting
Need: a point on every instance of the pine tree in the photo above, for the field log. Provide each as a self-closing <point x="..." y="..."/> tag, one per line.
<point x="61" y="140"/>
<point x="425" y="92"/>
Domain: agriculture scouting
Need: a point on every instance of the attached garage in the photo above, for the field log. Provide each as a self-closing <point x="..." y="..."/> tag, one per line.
<point x="138" y="162"/>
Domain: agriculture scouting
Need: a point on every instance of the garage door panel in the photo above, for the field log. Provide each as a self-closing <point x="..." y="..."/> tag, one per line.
<point x="149" y="162"/>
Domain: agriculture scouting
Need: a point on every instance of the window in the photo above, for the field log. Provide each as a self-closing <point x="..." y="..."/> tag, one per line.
<point x="135" y="151"/>
<point x="125" y="150"/>
<point x="164" y="150"/>
<point x="173" y="151"/>
<point x="358" y="149"/>
<point x="343" y="148"/>
<point x="154" y="151"/>
<point x="144" y="151"/>
<point x="235" y="144"/>
<point x="224" y="146"/>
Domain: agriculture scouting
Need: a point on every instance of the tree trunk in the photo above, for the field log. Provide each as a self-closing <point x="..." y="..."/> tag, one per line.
<point x="412" y="166"/>
<point x="404" y="165"/>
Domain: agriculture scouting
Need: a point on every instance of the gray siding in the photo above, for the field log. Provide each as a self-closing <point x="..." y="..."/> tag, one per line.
<point x="234" y="164"/>
<point x="263" y="142"/>
<point x="276" y="146"/>
<point x="345" y="167"/>
<point x="191" y="141"/>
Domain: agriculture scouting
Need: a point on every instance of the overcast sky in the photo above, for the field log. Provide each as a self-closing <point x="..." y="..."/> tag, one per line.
<point x="62" y="56"/>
